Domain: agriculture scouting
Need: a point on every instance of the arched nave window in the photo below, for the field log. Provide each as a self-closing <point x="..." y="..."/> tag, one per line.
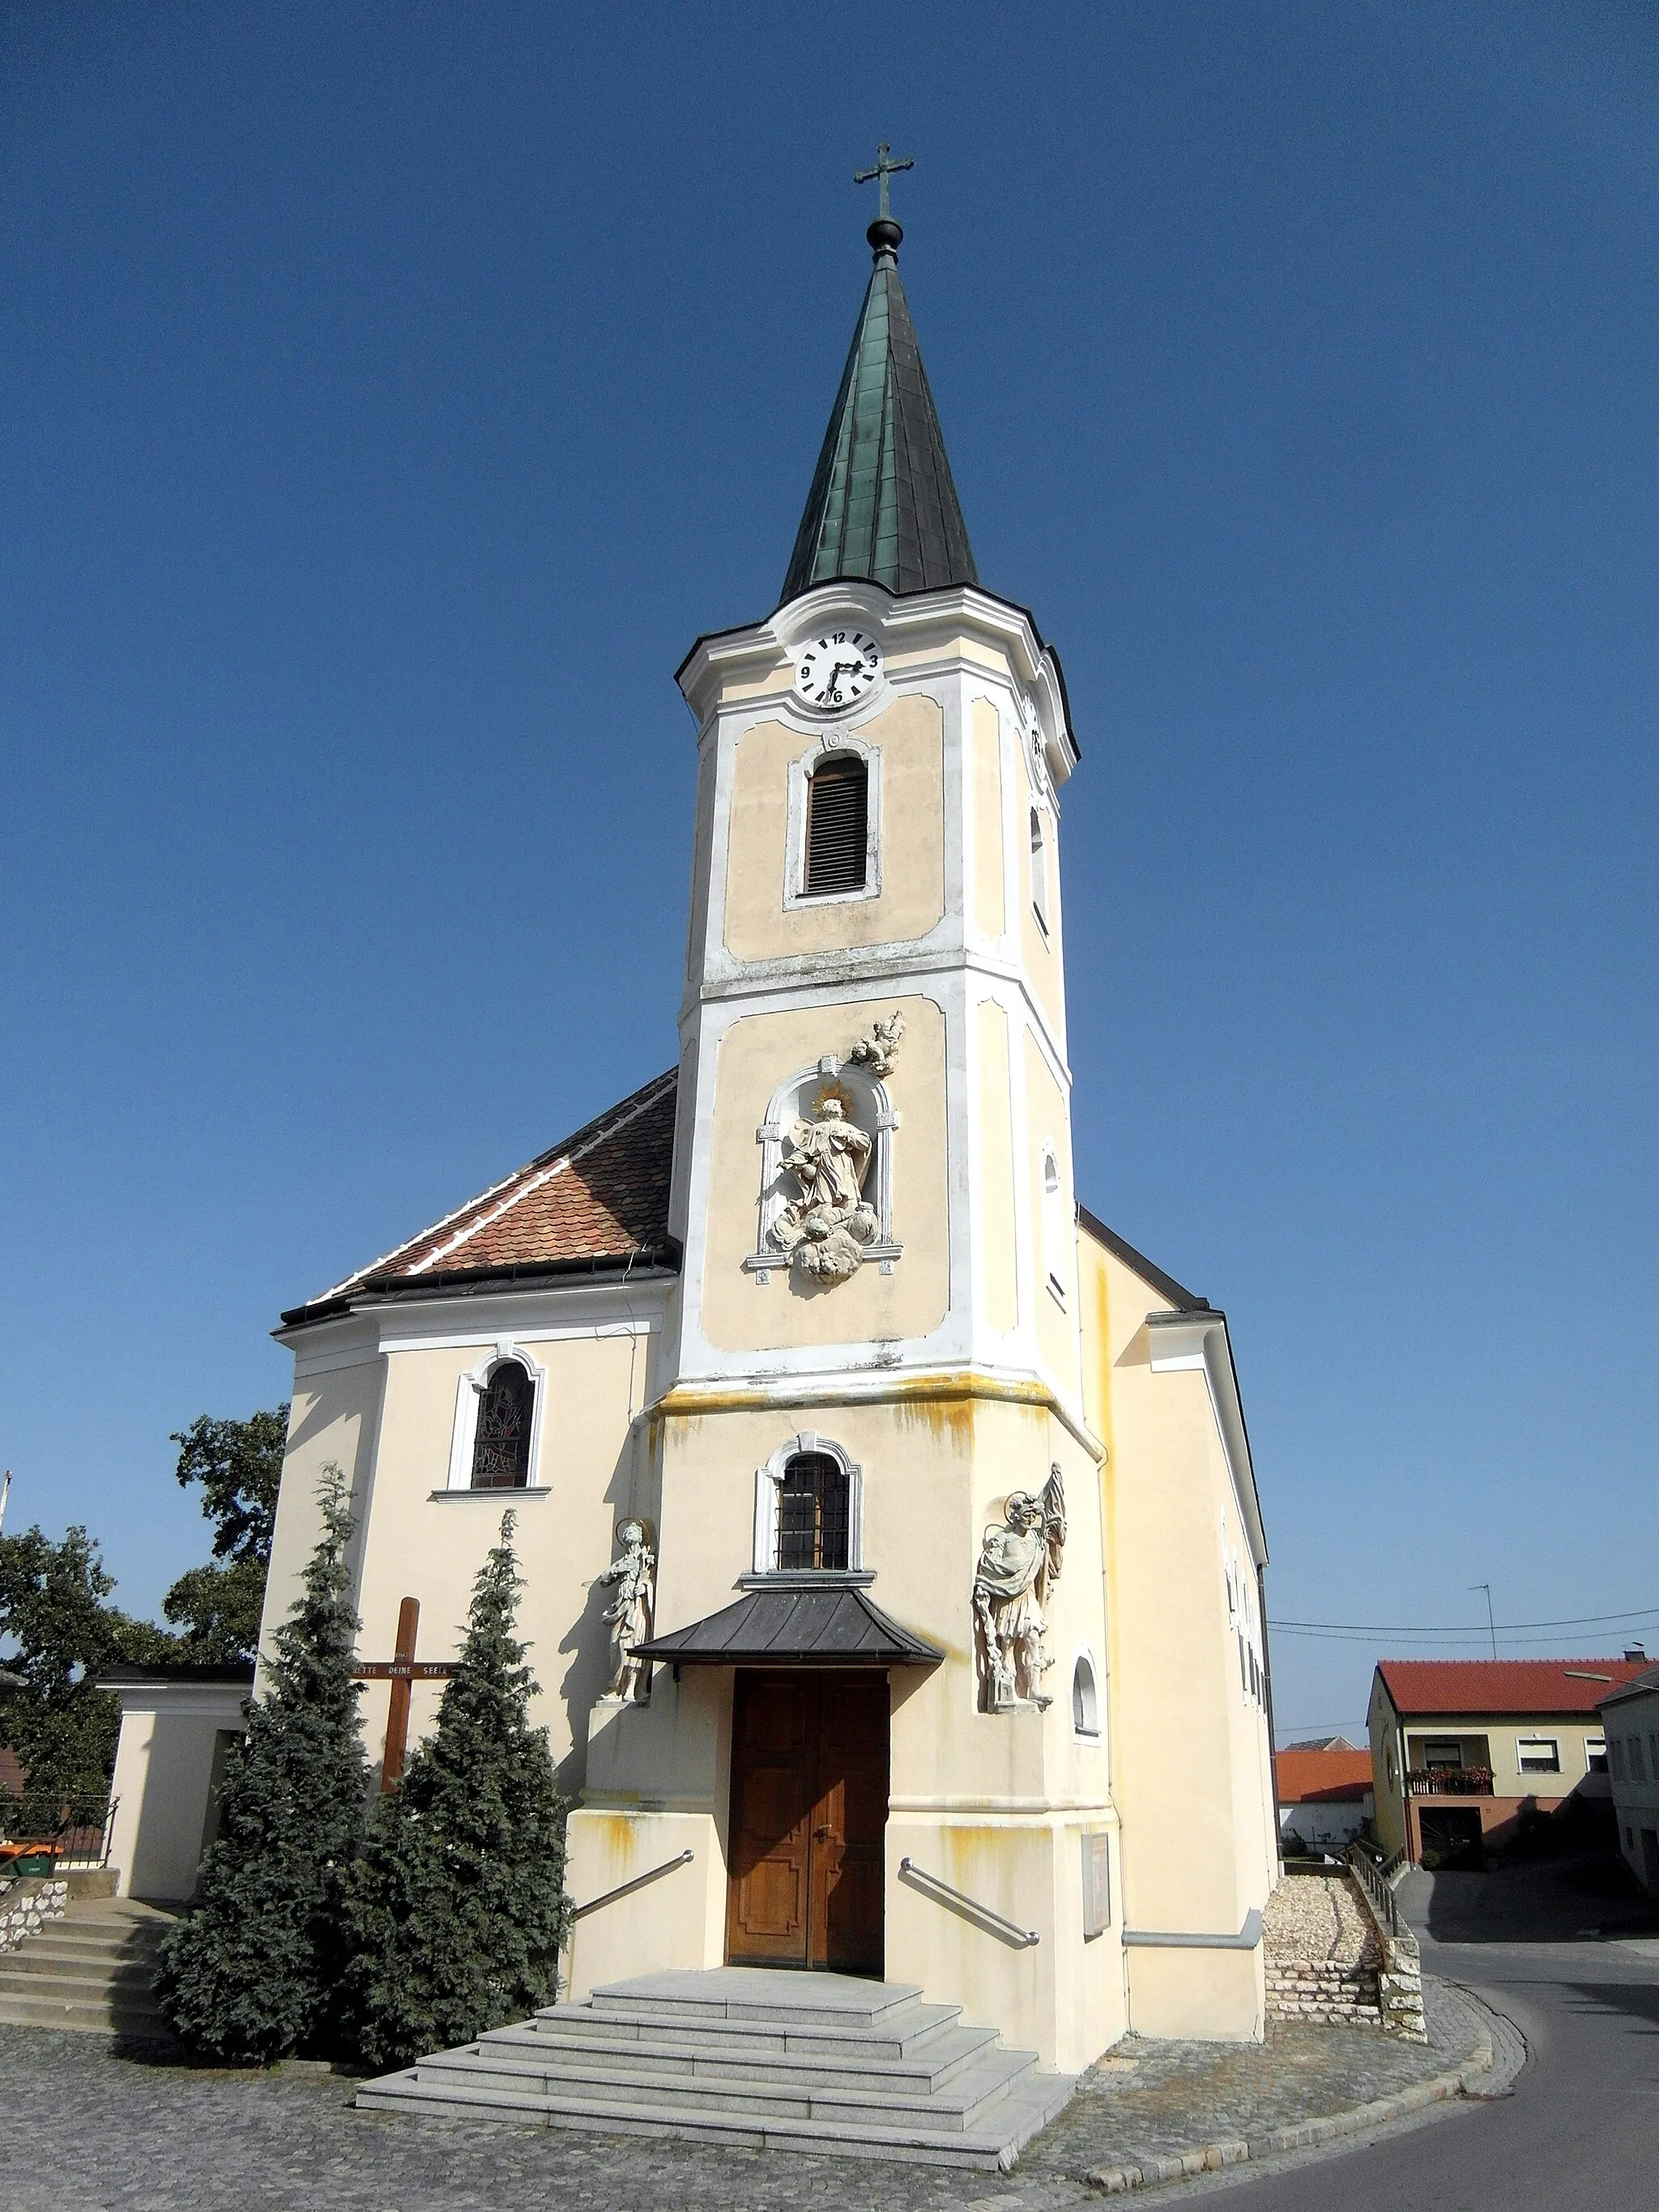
<point x="501" y="1443"/>
<point x="1039" y="871"/>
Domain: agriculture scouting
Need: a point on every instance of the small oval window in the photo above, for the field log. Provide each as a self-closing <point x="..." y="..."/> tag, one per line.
<point x="1086" y="1698"/>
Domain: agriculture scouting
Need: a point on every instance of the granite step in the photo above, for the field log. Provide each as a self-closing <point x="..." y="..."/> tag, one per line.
<point x="926" y="2064"/>
<point x="826" y="2065"/>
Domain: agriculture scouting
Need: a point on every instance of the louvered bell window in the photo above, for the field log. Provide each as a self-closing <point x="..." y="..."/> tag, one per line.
<point x="501" y="1443"/>
<point x="837" y="825"/>
<point x="814" y="1512"/>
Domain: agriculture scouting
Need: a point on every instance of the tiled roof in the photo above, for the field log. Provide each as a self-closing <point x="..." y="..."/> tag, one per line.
<point x="1640" y="1686"/>
<point x="601" y="1198"/>
<point x="1306" y="1777"/>
<point x="1468" y="1687"/>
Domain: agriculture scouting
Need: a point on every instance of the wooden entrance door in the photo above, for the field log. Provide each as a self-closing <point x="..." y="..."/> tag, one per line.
<point x="809" y="1816"/>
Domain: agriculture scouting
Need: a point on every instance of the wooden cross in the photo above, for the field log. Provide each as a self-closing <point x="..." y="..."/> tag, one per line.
<point x="400" y="1671"/>
<point x="885" y="169"/>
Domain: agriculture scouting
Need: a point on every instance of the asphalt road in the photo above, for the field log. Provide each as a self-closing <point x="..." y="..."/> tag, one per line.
<point x="1581" y="2126"/>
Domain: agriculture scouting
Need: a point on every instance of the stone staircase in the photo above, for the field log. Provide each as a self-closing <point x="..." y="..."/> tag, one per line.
<point x="92" y="1969"/>
<point x="823" y="2063"/>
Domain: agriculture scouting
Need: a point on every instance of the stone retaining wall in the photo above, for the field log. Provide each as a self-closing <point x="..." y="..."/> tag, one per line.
<point x="27" y="1903"/>
<point x="1308" y="1988"/>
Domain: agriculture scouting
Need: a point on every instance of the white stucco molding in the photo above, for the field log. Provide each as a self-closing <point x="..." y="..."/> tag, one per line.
<point x="1182" y="1341"/>
<point x="468" y="1393"/>
<point x="768" y="1482"/>
<point x="831" y="745"/>
<point x="906" y="626"/>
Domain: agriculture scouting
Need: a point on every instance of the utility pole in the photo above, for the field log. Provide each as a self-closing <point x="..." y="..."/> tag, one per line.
<point x="1491" y="1624"/>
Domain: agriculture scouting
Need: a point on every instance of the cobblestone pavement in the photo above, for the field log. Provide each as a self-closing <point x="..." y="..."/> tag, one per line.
<point x="89" y="2129"/>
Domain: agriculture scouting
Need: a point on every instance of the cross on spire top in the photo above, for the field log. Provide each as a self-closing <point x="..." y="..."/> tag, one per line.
<point x="886" y="167"/>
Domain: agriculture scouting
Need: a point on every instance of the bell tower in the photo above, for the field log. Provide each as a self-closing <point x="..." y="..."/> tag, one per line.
<point x="873" y="1167"/>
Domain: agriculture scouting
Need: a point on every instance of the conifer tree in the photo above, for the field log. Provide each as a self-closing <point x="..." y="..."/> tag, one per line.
<point x="252" y="1974"/>
<point x="456" y="1908"/>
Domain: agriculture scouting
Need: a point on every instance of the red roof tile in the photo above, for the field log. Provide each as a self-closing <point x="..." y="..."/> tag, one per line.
<point x="1306" y="1777"/>
<point x="602" y="1195"/>
<point x="1471" y="1687"/>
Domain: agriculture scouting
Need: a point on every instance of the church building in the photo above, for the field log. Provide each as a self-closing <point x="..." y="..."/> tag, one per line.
<point x="892" y="1551"/>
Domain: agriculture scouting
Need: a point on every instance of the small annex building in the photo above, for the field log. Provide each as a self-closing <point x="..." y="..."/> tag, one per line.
<point x="893" y="1556"/>
<point x="1462" y="1748"/>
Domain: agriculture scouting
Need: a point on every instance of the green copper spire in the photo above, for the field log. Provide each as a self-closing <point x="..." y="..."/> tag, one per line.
<point x="883" y="504"/>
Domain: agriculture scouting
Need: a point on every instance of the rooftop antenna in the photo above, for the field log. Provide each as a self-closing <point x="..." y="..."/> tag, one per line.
<point x="1492" y="1624"/>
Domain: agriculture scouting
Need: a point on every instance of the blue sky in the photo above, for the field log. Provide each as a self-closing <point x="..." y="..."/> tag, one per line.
<point x="389" y="394"/>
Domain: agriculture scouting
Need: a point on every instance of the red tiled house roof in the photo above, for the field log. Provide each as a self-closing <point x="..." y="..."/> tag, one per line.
<point x="598" y="1200"/>
<point x="1431" y="1689"/>
<point x="1321" y="1778"/>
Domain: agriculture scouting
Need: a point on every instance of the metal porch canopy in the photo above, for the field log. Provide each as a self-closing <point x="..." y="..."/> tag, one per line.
<point x="811" y="1627"/>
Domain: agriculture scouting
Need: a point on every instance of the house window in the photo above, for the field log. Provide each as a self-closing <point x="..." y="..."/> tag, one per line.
<point x="1653" y="1753"/>
<point x="1086" y="1696"/>
<point x="837" y="825"/>
<point x="1616" y="1758"/>
<point x="1539" y="1754"/>
<point x="1443" y="1751"/>
<point x="1039" y="871"/>
<point x="1596" y="1754"/>
<point x="501" y="1443"/>
<point x="1638" y="1770"/>
<point x="814" y="1513"/>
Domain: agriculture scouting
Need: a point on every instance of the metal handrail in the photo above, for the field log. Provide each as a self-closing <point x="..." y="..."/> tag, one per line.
<point x="627" y="1888"/>
<point x="1378" y="1895"/>
<point x="73" y="1825"/>
<point x="1024" y="1937"/>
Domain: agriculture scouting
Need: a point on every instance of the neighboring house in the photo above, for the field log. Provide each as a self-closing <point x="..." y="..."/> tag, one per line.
<point x="1630" y="1717"/>
<point x="12" y="1776"/>
<point x="1324" y="1795"/>
<point x="1460" y="1747"/>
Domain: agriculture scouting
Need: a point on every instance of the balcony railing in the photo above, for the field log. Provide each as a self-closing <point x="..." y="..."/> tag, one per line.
<point x="1449" y="1782"/>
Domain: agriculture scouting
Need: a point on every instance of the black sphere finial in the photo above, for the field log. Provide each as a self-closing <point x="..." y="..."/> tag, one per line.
<point x="885" y="234"/>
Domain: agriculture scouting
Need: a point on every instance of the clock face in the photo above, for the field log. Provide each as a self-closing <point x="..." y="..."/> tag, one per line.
<point x="838" y="669"/>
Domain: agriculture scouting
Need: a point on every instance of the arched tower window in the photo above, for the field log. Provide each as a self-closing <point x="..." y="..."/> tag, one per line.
<point x="1086" y="1696"/>
<point x="837" y="825"/>
<point x="501" y="1443"/>
<point x="814" y="1512"/>
<point x="1053" y="1225"/>
<point x="1039" y="871"/>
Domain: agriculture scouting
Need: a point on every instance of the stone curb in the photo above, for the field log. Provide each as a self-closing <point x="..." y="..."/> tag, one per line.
<point x="1460" y="2080"/>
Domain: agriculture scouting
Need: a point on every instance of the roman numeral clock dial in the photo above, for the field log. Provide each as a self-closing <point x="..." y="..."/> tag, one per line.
<point x="837" y="670"/>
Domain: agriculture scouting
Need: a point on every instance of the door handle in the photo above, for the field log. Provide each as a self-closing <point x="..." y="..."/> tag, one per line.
<point x="823" y="1835"/>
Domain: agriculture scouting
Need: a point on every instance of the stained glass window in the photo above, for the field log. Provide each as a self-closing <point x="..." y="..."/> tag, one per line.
<point x="501" y="1446"/>
<point x="814" y="1512"/>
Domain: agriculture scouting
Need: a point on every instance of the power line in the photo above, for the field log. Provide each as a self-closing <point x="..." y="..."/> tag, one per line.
<point x="1463" y="1629"/>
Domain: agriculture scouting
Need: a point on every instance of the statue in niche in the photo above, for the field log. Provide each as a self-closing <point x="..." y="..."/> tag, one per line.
<point x="1019" y="1563"/>
<point x="629" y="1613"/>
<point x="825" y="1230"/>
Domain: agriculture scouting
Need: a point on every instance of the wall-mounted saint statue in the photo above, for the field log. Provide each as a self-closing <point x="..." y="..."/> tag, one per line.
<point x="629" y="1613"/>
<point x="825" y="1230"/>
<point x="1019" y="1564"/>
